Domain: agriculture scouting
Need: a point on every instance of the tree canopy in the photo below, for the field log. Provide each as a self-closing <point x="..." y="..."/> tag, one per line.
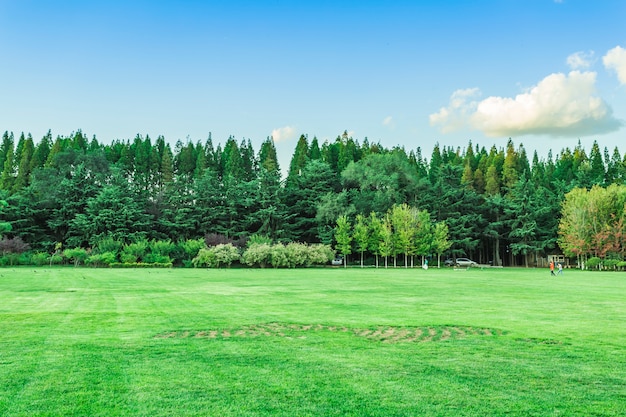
<point x="493" y="204"/>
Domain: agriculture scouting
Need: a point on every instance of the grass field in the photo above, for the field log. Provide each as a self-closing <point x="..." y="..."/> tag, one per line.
<point x="313" y="342"/>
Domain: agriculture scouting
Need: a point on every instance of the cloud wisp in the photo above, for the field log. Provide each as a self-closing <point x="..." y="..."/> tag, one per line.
<point x="283" y="134"/>
<point x="615" y="59"/>
<point x="559" y="105"/>
<point x="580" y="60"/>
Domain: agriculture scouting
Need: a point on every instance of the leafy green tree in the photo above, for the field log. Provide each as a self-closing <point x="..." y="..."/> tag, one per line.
<point x="375" y="235"/>
<point x="403" y="223"/>
<point x="386" y="244"/>
<point x="344" y="237"/>
<point x="379" y="181"/>
<point x="423" y="239"/>
<point x="361" y="235"/>
<point x="77" y="255"/>
<point x="440" y="242"/>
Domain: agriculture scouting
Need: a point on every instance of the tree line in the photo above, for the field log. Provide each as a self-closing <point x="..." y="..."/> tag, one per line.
<point x="498" y="205"/>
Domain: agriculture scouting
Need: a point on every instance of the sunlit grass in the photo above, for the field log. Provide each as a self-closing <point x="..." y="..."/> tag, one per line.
<point x="314" y="342"/>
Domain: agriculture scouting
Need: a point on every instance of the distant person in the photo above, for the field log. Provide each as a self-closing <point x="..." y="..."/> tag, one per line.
<point x="560" y="269"/>
<point x="552" y="268"/>
<point x="425" y="266"/>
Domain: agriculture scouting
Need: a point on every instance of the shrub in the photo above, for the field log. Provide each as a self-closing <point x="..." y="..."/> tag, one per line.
<point x="77" y="255"/>
<point x="40" y="258"/>
<point x="594" y="262"/>
<point x="128" y="258"/>
<point x="226" y="254"/>
<point x="136" y="251"/>
<point x="152" y="258"/>
<point x="12" y="248"/>
<point x="56" y="259"/>
<point x="278" y="257"/>
<point x="259" y="254"/>
<point x="187" y="250"/>
<point x="214" y="257"/>
<point x="101" y="259"/>
<point x="292" y="255"/>
<point x="610" y="263"/>
<point x="205" y="258"/>
<point x="297" y="254"/>
<point x="320" y="254"/>
<point x="162" y="247"/>
<point x="109" y="244"/>
<point x="25" y="258"/>
<point x="192" y="247"/>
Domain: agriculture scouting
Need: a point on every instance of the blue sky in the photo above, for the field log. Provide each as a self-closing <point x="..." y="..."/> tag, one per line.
<point x="545" y="73"/>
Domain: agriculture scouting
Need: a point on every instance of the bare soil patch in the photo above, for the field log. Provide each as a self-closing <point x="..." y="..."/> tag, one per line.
<point x="383" y="334"/>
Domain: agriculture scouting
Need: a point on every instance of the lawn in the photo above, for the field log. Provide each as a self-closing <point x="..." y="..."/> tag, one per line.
<point x="311" y="342"/>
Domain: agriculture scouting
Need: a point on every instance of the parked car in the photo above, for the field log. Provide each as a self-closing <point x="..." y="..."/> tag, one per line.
<point x="337" y="261"/>
<point x="449" y="262"/>
<point x="465" y="262"/>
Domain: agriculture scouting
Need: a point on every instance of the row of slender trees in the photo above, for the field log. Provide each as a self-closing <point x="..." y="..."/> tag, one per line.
<point x="499" y="205"/>
<point x="403" y="230"/>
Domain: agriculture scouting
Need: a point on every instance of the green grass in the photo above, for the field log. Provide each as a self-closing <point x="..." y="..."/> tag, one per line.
<point x="499" y="342"/>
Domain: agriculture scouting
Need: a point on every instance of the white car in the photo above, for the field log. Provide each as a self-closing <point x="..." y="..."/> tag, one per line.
<point x="465" y="262"/>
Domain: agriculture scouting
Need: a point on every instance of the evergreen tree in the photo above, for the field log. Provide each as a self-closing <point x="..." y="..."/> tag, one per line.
<point x="299" y="159"/>
<point x="7" y="177"/>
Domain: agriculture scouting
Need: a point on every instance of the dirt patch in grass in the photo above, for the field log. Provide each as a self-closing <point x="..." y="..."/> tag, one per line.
<point x="383" y="334"/>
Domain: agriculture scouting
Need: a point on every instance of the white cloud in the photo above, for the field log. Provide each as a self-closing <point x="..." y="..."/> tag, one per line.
<point x="388" y="121"/>
<point x="456" y="116"/>
<point x="283" y="134"/>
<point x="559" y="105"/>
<point x="615" y="59"/>
<point x="580" y="60"/>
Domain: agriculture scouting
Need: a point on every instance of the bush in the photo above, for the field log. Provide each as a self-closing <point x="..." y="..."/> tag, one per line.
<point x="128" y="258"/>
<point x="216" y="256"/>
<point x="25" y="258"/>
<point x="163" y="248"/>
<point x="101" y="259"/>
<point x="292" y="255"/>
<point x="40" y="258"/>
<point x="594" y="262"/>
<point x="134" y="251"/>
<point x="257" y="254"/>
<point x="109" y="244"/>
<point x="320" y="254"/>
<point x="153" y="258"/>
<point x="278" y="256"/>
<point x="205" y="258"/>
<point x="56" y="259"/>
<point x="610" y="263"/>
<point x="297" y="254"/>
<point x="77" y="255"/>
<point x="192" y="247"/>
